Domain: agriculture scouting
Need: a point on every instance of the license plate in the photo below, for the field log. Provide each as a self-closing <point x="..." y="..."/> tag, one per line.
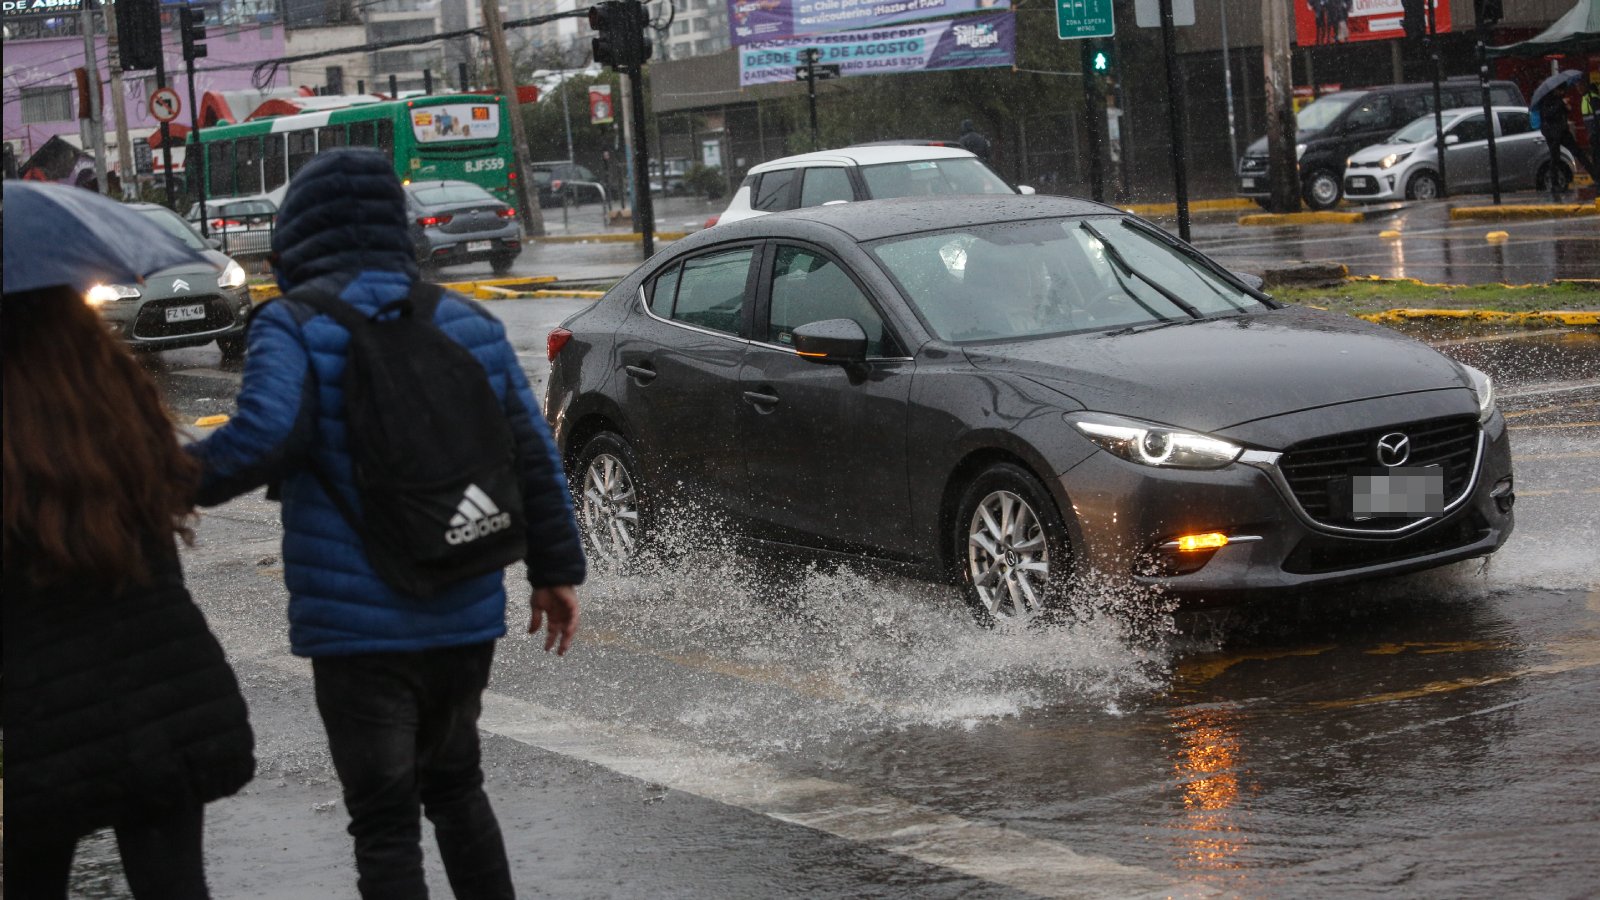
<point x="1362" y="181"/>
<point x="1402" y="492"/>
<point x="185" y="313"/>
<point x="479" y="246"/>
<point x="1248" y="182"/>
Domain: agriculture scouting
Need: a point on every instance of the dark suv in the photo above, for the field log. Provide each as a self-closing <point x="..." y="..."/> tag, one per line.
<point x="1336" y="125"/>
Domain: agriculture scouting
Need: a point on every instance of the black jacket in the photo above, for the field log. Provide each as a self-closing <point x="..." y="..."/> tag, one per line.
<point x="118" y="705"/>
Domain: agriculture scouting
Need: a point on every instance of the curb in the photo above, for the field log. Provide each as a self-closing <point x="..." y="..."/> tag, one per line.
<point x="500" y="293"/>
<point x="261" y="293"/>
<point x="1525" y="211"/>
<point x="1171" y="209"/>
<point x="1304" y="218"/>
<point x="1550" y="317"/>
<point x="617" y="238"/>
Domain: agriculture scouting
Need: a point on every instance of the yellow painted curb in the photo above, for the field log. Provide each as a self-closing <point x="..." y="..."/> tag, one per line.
<point x="1524" y="211"/>
<point x="1171" y="209"/>
<point x="210" y="421"/>
<point x="627" y="237"/>
<point x="1549" y="317"/>
<point x="260" y="293"/>
<point x="1303" y="218"/>
<point x="500" y="293"/>
<point x="1389" y="235"/>
<point x="1497" y="237"/>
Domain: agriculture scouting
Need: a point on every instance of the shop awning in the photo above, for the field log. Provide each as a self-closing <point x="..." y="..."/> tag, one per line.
<point x="1576" y="32"/>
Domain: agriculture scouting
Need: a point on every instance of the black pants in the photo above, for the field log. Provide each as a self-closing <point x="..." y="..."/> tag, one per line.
<point x="161" y="858"/>
<point x="1555" y="141"/>
<point x="403" y="732"/>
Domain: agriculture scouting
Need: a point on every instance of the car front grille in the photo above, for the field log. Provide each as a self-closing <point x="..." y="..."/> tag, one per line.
<point x="152" y="321"/>
<point x="1312" y="468"/>
<point x="1253" y="164"/>
<point x="1324" y="553"/>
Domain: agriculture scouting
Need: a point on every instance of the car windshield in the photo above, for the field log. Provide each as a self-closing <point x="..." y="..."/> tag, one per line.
<point x="1054" y="276"/>
<point x="1320" y="113"/>
<point x="932" y="178"/>
<point x="438" y="195"/>
<point x="170" y="223"/>
<point x="1420" y="129"/>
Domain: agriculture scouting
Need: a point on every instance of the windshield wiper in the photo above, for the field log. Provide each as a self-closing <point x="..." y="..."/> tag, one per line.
<point x="1191" y="254"/>
<point x="1115" y="255"/>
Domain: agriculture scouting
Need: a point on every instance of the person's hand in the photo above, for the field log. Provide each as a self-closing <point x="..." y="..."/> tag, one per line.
<point x="561" y="605"/>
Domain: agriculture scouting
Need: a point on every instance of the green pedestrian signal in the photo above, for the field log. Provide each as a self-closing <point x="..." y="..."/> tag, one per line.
<point x="1102" y="62"/>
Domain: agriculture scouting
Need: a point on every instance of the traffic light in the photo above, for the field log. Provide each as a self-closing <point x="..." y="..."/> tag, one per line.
<point x="1490" y="12"/>
<point x="192" y="28"/>
<point x="1102" y="57"/>
<point x="620" y="40"/>
<point x="139" y="34"/>
<point x="1101" y="62"/>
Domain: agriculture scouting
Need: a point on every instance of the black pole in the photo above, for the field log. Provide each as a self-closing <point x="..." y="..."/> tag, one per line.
<point x="1488" y="107"/>
<point x="427" y="81"/>
<point x="196" y="168"/>
<point x="166" y="134"/>
<point x="394" y="87"/>
<point x="644" y="209"/>
<point x="811" y="92"/>
<point x="1093" y="108"/>
<point x="1438" y="101"/>
<point x="1180" y="174"/>
<point x="361" y="85"/>
<point x="461" y="70"/>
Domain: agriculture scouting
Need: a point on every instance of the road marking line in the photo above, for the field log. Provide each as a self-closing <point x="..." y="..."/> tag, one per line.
<point x="1574" y="663"/>
<point x="983" y="850"/>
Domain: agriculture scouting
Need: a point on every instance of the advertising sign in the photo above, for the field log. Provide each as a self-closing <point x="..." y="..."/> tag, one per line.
<point x="750" y="21"/>
<point x="20" y="8"/>
<point x="971" y="42"/>
<point x="455" y="122"/>
<point x="601" y="112"/>
<point x="1323" y="22"/>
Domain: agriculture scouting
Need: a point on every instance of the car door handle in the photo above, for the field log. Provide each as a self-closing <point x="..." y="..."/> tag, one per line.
<point x="641" y="374"/>
<point x="760" y="400"/>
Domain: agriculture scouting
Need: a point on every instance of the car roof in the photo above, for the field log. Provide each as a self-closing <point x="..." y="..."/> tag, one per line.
<point x="870" y="220"/>
<point x="865" y="156"/>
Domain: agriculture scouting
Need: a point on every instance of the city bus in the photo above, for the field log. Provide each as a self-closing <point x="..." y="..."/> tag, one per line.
<point x="460" y="137"/>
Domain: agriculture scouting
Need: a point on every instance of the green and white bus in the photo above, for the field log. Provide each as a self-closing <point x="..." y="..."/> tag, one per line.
<point x="461" y="137"/>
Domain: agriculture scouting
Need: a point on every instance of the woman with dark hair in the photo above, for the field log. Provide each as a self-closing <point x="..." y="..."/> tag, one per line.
<point x="120" y="709"/>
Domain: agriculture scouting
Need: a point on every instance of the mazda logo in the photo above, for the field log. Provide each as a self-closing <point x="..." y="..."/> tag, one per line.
<point x="1394" y="449"/>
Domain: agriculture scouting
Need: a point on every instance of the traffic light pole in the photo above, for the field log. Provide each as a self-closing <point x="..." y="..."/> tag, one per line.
<point x="811" y="92"/>
<point x="1438" y="101"/>
<point x="644" y="206"/>
<point x="1180" y="172"/>
<point x="195" y="167"/>
<point x="166" y="136"/>
<point x="1094" y="106"/>
<point x="1488" y="108"/>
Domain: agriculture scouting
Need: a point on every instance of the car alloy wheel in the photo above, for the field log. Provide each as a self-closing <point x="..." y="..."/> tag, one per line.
<point x="1008" y="557"/>
<point x="610" y="507"/>
<point x="1322" y="189"/>
<point x="1423" y="186"/>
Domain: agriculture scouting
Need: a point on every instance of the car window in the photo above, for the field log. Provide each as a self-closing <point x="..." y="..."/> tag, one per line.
<point x="932" y="178"/>
<point x="1320" y="113"/>
<point x="663" y="291"/>
<point x="1506" y="94"/>
<point x="825" y="184"/>
<point x="1371" y="112"/>
<point x="169" y="222"/>
<point x="1515" y="122"/>
<point x="1472" y="128"/>
<point x="772" y="191"/>
<point x="436" y="195"/>
<point x="808" y="287"/>
<point x="711" y="290"/>
<point x="1414" y="104"/>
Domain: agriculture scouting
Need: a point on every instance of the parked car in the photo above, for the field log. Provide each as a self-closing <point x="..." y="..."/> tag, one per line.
<point x="456" y="222"/>
<point x="550" y="176"/>
<point x="1013" y="393"/>
<point x="236" y="213"/>
<point x="185" y="306"/>
<point x="1407" y="164"/>
<point x="866" y="172"/>
<point x="1332" y="127"/>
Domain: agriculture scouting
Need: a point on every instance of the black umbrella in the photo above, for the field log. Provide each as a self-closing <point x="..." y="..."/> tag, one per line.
<point x="59" y="235"/>
<point x="1559" y="80"/>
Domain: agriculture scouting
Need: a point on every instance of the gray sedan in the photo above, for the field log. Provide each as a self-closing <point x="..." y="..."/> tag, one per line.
<point x="185" y="306"/>
<point x="455" y="222"/>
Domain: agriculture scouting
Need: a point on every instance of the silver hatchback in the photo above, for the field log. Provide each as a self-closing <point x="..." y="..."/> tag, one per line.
<point x="456" y="222"/>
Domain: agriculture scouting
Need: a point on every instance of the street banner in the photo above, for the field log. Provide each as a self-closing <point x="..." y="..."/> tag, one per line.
<point x="601" y="111"/>
<point x="751" y="21"/>
<point x="1322" y="22"/>
<point x="970" y="42"/>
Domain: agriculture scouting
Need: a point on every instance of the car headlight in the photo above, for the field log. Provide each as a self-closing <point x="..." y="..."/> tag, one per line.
<point x="232" y="276"/>
<point x="1299" y="150"/>
<point x="108" y="293"/>
<point x="1154" y="445"/>
<point x="1483" y="386"/>
<point x="1393" y="159"/>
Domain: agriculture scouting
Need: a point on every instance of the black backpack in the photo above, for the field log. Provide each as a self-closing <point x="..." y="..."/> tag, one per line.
<point x="433" y="455"/>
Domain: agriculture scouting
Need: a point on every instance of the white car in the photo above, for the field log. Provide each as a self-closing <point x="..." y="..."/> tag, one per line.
<point x="861" y="173"/>
<point x="1406" y="165"/>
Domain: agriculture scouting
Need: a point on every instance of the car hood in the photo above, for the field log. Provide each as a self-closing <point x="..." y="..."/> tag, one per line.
<point x="1379" y="151"/>
<point x="1217" y="373"/>
<point x="197" y="277"/>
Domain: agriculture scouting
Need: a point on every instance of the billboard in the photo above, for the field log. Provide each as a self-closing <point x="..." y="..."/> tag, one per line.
<point x="455" y="122"/>
<point x="750" y="21"/>
<point x="1322" y="22"/>
<point x="970" y="42"/>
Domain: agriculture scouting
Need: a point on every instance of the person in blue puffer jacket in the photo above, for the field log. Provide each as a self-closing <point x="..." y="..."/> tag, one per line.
<point x="399" y="679"/>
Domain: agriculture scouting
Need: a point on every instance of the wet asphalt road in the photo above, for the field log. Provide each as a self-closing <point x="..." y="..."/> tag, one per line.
<point x="1427" y="736"/>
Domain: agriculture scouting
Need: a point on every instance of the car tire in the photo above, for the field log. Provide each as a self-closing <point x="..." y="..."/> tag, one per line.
<point x="1007" y="532"/>
<point x="612" y="508"/>
<point x="500" y="265"/>
<point x="1322" y="189"/>
<point x="1424" y="185"/>
<point x="232" y="347"/>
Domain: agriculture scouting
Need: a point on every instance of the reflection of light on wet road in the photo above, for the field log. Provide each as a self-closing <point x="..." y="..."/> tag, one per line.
<point x="1207" y="770"/>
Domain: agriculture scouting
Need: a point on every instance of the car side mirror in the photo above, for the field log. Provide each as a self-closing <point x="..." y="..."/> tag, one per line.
<point x="214" y="243"/>
<point x="1025" y="191"/>
<point x="1253" y="282"/>
<point x="1452" y="139"/>
<point x="831" y="341"/>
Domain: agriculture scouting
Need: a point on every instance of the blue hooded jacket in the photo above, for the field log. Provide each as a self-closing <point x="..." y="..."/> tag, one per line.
<point x="342" y="228"/>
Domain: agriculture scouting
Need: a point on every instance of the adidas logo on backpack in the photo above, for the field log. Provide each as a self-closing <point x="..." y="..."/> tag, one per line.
<point x="476" y="515"/>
